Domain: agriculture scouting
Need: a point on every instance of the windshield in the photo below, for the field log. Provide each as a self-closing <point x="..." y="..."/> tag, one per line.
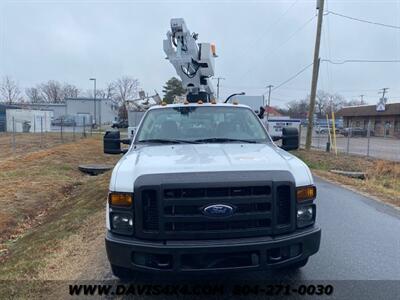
<point x="201" y="125"/>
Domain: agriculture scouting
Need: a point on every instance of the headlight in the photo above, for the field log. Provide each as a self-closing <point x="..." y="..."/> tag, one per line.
<point x="305" y="193"/>
<point x="305" y="215"/>
<point x="121" y="213"/>
<point x="121" y="222"/>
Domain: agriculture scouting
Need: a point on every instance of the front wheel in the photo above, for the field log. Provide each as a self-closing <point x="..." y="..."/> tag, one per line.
<point x="122" y="273"/>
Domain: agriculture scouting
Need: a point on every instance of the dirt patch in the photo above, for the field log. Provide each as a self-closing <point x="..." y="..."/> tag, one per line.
<point x="382" y="176"/>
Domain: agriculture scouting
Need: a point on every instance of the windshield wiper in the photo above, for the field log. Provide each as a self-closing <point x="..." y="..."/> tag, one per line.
<point x="224" y="140"/>
<point x="167" y="141"/>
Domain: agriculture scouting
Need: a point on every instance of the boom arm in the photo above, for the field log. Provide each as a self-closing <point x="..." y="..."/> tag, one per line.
<point x="193" y="62"/>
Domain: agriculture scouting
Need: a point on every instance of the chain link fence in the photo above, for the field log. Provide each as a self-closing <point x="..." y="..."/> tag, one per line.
<point x="20" y="136"/>
<point x="355" y="140"/>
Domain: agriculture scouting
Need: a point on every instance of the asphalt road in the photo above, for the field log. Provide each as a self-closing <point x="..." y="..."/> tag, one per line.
<point x="360" y="241"/>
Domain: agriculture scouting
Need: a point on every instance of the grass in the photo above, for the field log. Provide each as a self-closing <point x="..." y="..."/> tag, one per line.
<point x="32" y="142"/>
<point x="382" y="176"/>
<point x="27" y="256"/>
<point x="39" y="182"/>
<point x="44" y="200"/>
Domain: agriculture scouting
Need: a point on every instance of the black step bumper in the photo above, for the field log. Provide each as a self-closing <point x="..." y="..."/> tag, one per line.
<point x="213" y="255"/>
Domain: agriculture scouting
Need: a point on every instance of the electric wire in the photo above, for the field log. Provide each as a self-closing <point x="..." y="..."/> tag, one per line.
<point x="361" y="20"/>
<point x="291" y="77"/>
<point x="359" y="61"/>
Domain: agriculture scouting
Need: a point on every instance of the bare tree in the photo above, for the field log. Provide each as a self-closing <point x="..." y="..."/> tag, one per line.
<point x="322" y="103"/>
<point x="52" y="91"/>
<point x="34" y="94"/>
<point x="126" y="88"/>
<point x="9" y="90"/>
<point x="109" y="92"/>
<point x="354" y="102"/>
<point x="69" y="91"/>
<point x="325" y="103"/>
<point x="298" y="108"/>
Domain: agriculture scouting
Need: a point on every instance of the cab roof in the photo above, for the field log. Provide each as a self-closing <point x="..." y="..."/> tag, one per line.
<point x="208" y="104"/>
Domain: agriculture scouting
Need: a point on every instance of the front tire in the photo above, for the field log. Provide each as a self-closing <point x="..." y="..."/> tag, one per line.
<point x="122" y="273"/>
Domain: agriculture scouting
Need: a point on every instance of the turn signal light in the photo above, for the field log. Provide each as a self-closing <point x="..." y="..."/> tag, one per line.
<point x="120" y="199"/>
<point x="214" y="50"/>
<point x="305" y="193"/>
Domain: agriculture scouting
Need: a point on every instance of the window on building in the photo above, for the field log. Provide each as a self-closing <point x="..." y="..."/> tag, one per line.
<point x="357" y="123"/>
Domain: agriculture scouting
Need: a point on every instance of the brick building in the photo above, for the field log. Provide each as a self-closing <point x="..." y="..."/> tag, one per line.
<point x="384" y="118"/>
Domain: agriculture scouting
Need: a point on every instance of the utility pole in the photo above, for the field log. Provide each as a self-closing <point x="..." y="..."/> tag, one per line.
<point x="269" y="87"/>
<point x="384" y="90"/>
<point x="94" y="99"/>
<point x="314" y="82"/>
<point x="362" y="98"/>
<point x="218" y="79"/>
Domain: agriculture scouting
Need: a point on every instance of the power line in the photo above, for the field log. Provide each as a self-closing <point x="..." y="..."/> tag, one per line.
<point x="282" y="44"/>
<point x="267" y="29"/>
<point x="361" y="20"/>
<point x="292" y="77"/>
<point x="359" y="61"/>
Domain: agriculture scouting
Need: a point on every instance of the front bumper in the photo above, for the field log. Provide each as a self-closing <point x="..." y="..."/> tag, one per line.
<point x="213" y="255"/>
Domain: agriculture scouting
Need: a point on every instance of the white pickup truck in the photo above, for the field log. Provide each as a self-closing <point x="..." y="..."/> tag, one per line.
<point x="203" y="188"/>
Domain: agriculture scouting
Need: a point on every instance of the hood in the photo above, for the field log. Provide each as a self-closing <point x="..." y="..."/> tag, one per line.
<point x="181" y="158"/>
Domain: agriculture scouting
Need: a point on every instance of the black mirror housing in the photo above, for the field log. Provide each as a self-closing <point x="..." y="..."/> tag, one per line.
<point x="276" y="138"/>
<point x="112" y="142"/>
<point x="290" y="139"/>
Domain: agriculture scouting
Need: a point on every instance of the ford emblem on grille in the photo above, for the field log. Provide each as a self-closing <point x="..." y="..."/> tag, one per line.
<point x="218" y="210"/>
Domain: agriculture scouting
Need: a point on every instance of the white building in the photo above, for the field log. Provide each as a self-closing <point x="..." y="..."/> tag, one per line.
<point x="106" y="110"/>
<point x="58" y="109"/>
<point x="26" y="120"/>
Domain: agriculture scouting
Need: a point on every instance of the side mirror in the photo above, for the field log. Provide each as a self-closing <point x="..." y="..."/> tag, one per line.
<point x="276" y="138"/>
<point x="290" y="138"/>
<point x="112" y="143"/>
<point x="261" y="113"/>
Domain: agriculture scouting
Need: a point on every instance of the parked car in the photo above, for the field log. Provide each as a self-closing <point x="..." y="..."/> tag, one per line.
<point x="356" y="131"/>
<point x="120" y="124"/>
<point x="64" y="121"/>
<point x="323" y="129"/>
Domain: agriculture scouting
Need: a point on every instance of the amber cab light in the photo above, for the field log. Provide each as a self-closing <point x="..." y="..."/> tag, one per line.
<point x="120" y="199"/>
<point x="305" y="193"/>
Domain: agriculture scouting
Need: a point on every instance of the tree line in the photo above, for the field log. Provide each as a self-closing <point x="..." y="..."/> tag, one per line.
<point x="53" y="91"/>
<point x="127" y="88"/>
<point x="325" y="103"/>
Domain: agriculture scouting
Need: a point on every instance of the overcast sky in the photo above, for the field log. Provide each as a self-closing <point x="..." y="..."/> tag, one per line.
<point x="258" y="43"/>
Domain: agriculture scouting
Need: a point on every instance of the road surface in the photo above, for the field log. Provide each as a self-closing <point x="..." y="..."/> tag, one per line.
<point x="360" y="241"/>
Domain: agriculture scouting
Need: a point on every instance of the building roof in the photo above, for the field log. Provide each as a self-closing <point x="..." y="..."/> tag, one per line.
<point x="369" y="110"/>
<point x="42" y="104"/>
<point x="85" y="99"/>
